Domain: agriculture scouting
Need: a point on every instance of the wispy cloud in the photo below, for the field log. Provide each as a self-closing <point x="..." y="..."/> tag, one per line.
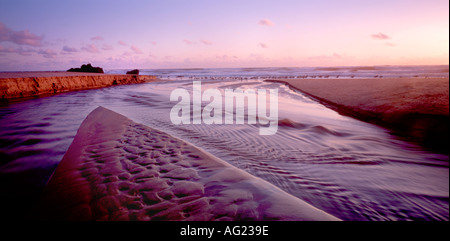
<point x="97" y="38"/>
<point x="390" y="44"/>
<point x="48" y="53"/>
<point x="122" y="43"/>
<point x="126" y="54"/>
<point x="26" y="38"/>
<point x="6" y="50"/>
<point x="206" y="42"/>
<point x="226" y="57"/>
<point x="19" y="50"/>
<point x="23" y="37"/>
<point x="91" y="48"/>
<point x="336" y="55"/>
<point x="265" y="22"/>
<point x="136" y="50"/>
<point x="4" y="32"/>
<point x="256" y="56"/>
<point x="69" y="49"/>
<point x="380" y="36"/>
<point x="107" y="47"/>
<point x="263" y="45"/>
<point x="332" y="57"/>
<point x="189" y="42"/>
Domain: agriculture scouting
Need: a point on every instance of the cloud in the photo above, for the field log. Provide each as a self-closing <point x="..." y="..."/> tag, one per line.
<point x="7" y="50"/>
<point x="203" y="41"/>
<point x="48" y="53"/>
<point x="126" y="54"/>
<point x="206" y="42"/>
<point x="20" y="50"/>
<point x="263" y="45"/>
<point x="390" y="44"/>
<point x="69" y="49"/>
<point x="4" y="32"/>
<point x="265" y="22"/>
<point x="25" y="52"/>
<point x="136" y="50"/>
<point x="26" y="38"/>
<point x="91" y="48"/>
<point x="107" y="47"/>
<point x="122" y="43"/>
<point x="97" y="38"/>
<point x="3" y="49"/>
<point x="226" y="57"/>
<point x="189" y="42"/>
<point x="380" y="36"/>
<point x="256" y="56"/>
<point x="336" y="55"/>
<point x="332" y="57"/>
<point x="23" y="37"/>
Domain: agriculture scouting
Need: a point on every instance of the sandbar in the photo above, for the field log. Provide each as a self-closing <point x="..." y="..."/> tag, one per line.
<point x="117" y="169"/>
<point x="416" y="109"/>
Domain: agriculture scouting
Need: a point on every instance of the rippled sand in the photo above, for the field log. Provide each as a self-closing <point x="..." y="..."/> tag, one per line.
<point x="116" y="169"/>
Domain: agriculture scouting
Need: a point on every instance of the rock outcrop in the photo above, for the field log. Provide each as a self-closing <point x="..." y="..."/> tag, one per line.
<point x="134" y="71"/>
<point x="87" y="68"/>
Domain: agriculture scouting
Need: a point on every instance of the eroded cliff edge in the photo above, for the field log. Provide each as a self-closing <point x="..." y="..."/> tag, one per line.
<point x="19" y="85"/>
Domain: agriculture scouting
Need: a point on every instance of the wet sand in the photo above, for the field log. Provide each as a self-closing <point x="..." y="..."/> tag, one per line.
<point x="413" y="108"/>
<point x="116" y="169"/>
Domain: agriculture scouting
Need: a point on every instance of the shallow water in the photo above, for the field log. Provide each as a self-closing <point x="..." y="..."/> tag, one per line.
<point x="348" y="168"/>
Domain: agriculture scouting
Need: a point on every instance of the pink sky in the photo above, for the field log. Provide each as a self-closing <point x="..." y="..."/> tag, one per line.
<point x="57" y="35"/>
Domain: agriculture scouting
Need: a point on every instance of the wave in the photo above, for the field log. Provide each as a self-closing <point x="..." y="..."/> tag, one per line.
<point x="295" y="72"/>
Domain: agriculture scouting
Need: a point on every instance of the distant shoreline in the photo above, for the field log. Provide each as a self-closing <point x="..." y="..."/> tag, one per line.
<point x="25" y="74"/>
<point x="27" y="84"/>
<point x="416" y="109"/>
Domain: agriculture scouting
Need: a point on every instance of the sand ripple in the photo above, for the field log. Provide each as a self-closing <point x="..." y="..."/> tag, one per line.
<point x="120" y="170"/>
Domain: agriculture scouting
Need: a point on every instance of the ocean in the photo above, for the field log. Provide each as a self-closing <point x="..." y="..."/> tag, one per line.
<point x="295" y="72"/>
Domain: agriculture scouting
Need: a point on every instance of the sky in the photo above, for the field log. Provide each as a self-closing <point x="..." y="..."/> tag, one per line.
<point x="114" y="34"/>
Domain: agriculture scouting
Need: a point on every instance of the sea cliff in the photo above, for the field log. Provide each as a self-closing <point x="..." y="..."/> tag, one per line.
<point x="19" y="85"/>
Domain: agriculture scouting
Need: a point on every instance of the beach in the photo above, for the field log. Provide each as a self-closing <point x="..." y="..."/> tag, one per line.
<point x="114" y="154"/>
<point x="116" y="169"/>
<point x="414" y="108"/>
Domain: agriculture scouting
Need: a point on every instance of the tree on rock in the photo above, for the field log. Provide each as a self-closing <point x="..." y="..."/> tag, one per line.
<point x="87" y="68"/>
